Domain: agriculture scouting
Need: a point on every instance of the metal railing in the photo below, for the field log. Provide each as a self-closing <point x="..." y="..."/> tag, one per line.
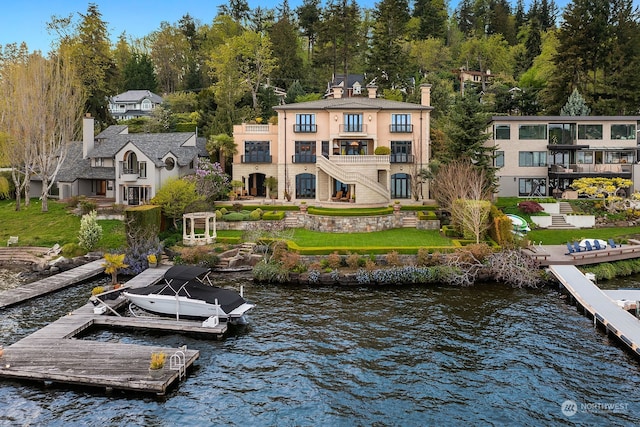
<point x="256" y="158"/>
<point x="305" y="128"/>
<point x="303" y="158"/>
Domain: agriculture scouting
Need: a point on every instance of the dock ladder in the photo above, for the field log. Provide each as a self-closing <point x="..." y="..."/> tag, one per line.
<point x="177" y="362"/>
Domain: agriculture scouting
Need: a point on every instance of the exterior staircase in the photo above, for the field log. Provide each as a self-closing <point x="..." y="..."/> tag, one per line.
<point x="291" y="220"/>
<point x="351" y="177"/>
<point x="409" y="221"/>
<point x="557" y="221"/>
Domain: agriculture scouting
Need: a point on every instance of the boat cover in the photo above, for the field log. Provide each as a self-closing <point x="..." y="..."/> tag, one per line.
<point x="228" y="299"/>
<point x="184" y="273"/>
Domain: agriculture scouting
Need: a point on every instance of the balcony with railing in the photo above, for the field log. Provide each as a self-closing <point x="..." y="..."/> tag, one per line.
<point x="256" y="158"/>
<point x="401" y="158"/>
<point x="256" y="129"/>
<point x="580" y="170"/>
<point x="303" y="158"/>
<point x="353" y="128"/>
<point x="305" y="128"/>
<point x="401" y="128"/>
<point x="129" y="174"/>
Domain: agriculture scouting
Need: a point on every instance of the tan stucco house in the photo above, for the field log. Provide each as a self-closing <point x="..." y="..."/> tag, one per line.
<point x="325" y="151"/>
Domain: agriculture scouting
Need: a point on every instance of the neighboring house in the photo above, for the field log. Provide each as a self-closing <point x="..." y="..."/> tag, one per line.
<point x="129" y="168"/>
<point x="542" y="156"/>
<point x="480" y="78"/>
<point x="324" y="150"/>
<point x="133" y="104"/>
<point x="352" y="85"/>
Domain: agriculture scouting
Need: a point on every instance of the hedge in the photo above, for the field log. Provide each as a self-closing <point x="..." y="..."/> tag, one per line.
<point x="349" y="212"/>
<point x="424" y="215"/>
<point x="273" y="215"/>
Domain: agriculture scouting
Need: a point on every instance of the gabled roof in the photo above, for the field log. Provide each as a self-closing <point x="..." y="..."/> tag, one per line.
<point x="153" y="145"/>
<point x="339" y="80"/>
<point x="360" y="103"/>
<point x="134" y="96"/>
<point x="75" y="167"/>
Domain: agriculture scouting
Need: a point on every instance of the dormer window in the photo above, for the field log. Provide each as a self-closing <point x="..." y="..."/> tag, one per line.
<point x="357" y="88"/>
<point x="169" y="163"/>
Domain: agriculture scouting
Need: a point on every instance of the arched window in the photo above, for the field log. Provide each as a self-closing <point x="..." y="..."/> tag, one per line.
<point x="146" y="105"/>
<point x="130" y="164"/>
<point x="169" y="163"/>
<point x="401" y="186"/>
<point x="305" y="186"/>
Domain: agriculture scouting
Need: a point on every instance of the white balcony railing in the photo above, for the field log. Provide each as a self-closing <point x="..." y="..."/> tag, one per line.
<point x="256" y="128"/>
<point x="357" y="159"/>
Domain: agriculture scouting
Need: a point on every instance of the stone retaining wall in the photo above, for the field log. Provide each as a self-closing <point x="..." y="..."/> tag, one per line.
<point x="340" y="224"/>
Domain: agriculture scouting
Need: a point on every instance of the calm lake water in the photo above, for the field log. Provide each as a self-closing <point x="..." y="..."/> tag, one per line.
<point x="408" y="356"/>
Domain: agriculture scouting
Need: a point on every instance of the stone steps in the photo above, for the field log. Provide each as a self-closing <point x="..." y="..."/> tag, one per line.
<point x="409" y="222"/>
<point x="558" y="222"/>
<point x="565" y="208"/>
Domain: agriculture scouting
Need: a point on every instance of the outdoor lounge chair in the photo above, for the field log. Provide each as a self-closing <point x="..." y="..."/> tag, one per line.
<point x="613" y="244"/>
<point x="338" y="197"/>
<point x="588" y="245"/>
<point x="577" y="247"/>
<point x="346" y="197"/>
<point x="596" y="244"/>
<point x="571" y="249"/>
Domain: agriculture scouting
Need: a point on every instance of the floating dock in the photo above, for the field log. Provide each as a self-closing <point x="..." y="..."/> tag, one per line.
<point x="56" y="354"/>
<point x="51" y="284"/>
<point x="601" y="307"/>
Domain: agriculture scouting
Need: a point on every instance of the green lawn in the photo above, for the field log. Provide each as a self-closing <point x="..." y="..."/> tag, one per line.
<point x="36" y="228"/>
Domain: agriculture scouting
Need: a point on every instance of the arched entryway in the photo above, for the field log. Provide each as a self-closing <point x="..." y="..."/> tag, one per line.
<point x="255" y="185"/>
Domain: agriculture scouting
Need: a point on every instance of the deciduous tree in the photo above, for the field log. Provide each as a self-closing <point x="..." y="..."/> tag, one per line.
<point x="40" y="108"/>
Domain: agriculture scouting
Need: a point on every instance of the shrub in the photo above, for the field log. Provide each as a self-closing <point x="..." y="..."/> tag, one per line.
<point x="234" y="216"/>
<point x="382" y="151"/>
<point x="270" y="272"/>
<point x="334" y="260"/>
<point x="255" y="215"/>
<point x="353" y="261"/>
<point x="237" y="207"/>
<point x="199" y="255"/>
<point x="71" y="250"/>
<point x="530" y="206"/>
<point x="423" y="257"/>
<point x="273" y="215"/>
<point x="218" y="214"/>
<point x="87" y="206"/>
<point x="90" y="231"/>
<point x="224" y="211"/>
<point x="393" y="259"/>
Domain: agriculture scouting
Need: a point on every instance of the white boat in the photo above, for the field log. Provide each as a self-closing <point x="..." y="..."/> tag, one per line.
<point x="188" y="292"/>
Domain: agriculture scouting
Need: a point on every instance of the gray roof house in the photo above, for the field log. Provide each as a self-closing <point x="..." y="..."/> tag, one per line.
<point x="128" y="168"/>
<point x="133" y="103"/>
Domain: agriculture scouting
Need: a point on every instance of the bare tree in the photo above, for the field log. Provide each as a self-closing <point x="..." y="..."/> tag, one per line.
<point x="40" y="111"/>
<point x="459" y="179"/>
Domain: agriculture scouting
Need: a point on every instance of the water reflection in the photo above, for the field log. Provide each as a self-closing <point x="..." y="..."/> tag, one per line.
<point x="360" y="356"/>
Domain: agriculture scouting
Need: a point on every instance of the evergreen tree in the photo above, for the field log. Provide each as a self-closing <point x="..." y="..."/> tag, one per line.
<point x="91" y="54"/>
<point x="388" y="59"/>
<point x="338" y="40"/>
<point x="467" y="134"/>
<point x="575" y="106"/>
<point x="308" y="20"/>
<point x="284" y="40"/>
<point x="433" y="18"/>
<point x="138" y="73"/>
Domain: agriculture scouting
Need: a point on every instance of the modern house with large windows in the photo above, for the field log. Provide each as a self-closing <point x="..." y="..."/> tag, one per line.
<point x="325" y="150"/>
<point x="543" y="155"/>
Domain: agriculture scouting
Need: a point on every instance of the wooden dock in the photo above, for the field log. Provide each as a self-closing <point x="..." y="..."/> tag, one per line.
<point x="56" y="354"/>
<point x="547" y="255"/>
<point x="602" y="308"/>
<point x="51" y="284"/>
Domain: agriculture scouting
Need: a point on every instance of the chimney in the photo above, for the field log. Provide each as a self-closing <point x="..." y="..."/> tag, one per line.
<point x="373" y="91"/>
<point x="425" y="95"/>
<point x="337" y="92"/>
<point x="87" y="135"/>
